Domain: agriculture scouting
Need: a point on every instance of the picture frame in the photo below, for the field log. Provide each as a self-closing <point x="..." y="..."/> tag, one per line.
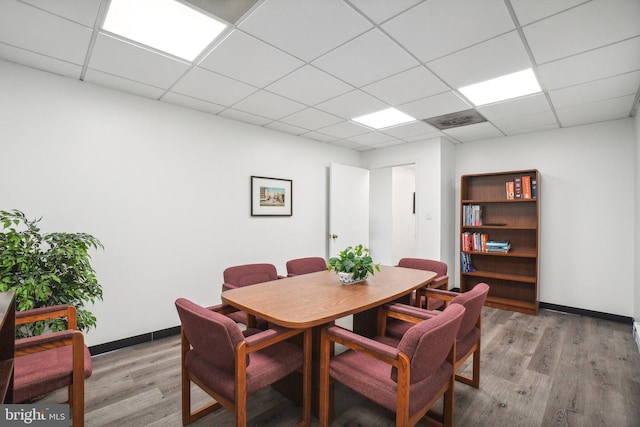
<point x="271" y="196"/>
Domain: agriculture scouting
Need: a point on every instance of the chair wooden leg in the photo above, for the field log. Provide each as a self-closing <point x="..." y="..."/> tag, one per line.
<point x="76" y="389"/>
<point x="474" y="380"/>
<point x="325" y="354"/>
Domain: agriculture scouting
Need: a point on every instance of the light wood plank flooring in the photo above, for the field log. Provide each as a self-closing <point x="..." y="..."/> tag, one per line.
<point x="553" y="369"/>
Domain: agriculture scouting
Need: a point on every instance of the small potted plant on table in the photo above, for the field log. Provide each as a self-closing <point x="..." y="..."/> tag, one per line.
<point x="353" y="264"/>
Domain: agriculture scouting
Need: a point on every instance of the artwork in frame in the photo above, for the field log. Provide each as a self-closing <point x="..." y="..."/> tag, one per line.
<point x="271" y="196"/>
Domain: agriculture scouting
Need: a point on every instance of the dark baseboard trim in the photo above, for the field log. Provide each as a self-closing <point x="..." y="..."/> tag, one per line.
<point x="131" y="341"/>
<point x="589" y="313"/>
<point x="169" y="332"/>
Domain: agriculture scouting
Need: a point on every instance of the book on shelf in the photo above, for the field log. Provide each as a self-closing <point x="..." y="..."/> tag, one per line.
<point x="474" y="242"/>
<point x="526" y="187"/>
<point x="510" y="190"/>
<point x="534" y="188"/>
<point x="517" y="187"/>
<point x="465" y="263"/>
<point x="472" y="215"/>
<point x="498" y="246"/>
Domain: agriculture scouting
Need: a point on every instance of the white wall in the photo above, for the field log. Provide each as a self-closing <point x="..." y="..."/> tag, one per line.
<point x="427" y="156"/>
<point x="164" y="188"/>
<point x="587" y="189"/>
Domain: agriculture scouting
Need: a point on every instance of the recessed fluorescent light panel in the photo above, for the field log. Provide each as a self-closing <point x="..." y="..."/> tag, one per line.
<point x="501" y="88"/>
<point x="166" y="25"/>
<point x="384" y="119"/>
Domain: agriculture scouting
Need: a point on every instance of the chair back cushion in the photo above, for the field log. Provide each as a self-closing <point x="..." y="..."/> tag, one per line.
<point x="427" y="343"/>
<point x="424" y="264"/>
<point x="212" y="335"/>
<point x="473" y="301"/>
<point x="250" y="274"/>
<point x="306" y="265"/>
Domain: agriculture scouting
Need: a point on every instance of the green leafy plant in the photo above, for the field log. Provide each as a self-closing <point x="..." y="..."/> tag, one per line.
<point x="47" y="269"/>
<point x="354" y="260"/>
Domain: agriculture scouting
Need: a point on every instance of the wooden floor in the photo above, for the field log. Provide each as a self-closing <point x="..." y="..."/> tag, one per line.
<point x="553" y="369"/>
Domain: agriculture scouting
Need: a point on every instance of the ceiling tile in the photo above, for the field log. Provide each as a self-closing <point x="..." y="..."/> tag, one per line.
<point x="297" y="86"/>
<point x="344" y="130"/>
<point x="33" y="29"/>
<point x="515" y="107"/>
<point x="352" y="104"/>
<point x="123" y="59"/>
<point x="249" y="60"/>
<point x="208" y="86"/>
<point x="608" y="61"/>
<point x="439" y="27"/>
<point x="241" y="116"/>
<point x="528" y="11"/>
<point x="84" y="12"/>
<point x="381" y="10"/>
<point x="122" y="84"/>
<point x="371" y="138"/>
<point x="195" y="104"/>
<point x="407" y="86"/>
<point x="316" y="136"/>
<point x="544" y="120"/>
<point x="348" y="144"/>
<point x="410" y="130"/>
<point x="609" y="109"/>
<point x="591" y="25"/>
<point x="434" y="106"/>
<point x="370" y="57"/>
<point x="311" y="119"/>
<point x="474" y="132"/>
<point x="494" y="58"/>
<point x="318" y="26"/>
<point x="286" y="128"/>
<point x="40" y="62"/>
<point x="267" y="104"/>
<point x="612" y="87"/>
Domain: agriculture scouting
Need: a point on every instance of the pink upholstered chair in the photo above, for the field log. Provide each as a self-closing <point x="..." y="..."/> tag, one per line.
<point x="47" y="362"/>
<point x="407" y="379"/>
<point x="468" y="341"/>
<point x="299" y="266"/>
<point x="231" y="365"/>
<point x="440" y="282"/>
<point x="246" y="275"/>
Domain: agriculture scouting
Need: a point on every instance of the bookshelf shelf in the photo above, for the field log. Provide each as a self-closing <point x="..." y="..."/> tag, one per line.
<point x="512" y="276"/>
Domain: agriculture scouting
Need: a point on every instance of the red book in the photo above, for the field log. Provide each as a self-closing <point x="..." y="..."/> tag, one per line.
<point x="526" y="187"/>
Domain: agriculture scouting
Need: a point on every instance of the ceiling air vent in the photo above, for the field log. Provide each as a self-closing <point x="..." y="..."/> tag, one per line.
<point x="454" y="120"/>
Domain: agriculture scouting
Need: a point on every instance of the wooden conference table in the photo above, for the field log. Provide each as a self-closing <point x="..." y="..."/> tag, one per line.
<point x="318" y="299"/>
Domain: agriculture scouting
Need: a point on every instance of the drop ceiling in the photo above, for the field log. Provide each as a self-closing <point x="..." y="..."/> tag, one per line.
<point x="308" y="67"/>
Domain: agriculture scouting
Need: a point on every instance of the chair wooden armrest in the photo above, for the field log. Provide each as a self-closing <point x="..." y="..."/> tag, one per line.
<point x="405" y="312"/>
<point x="357" y="342"/>
<point x="45" y="313"/>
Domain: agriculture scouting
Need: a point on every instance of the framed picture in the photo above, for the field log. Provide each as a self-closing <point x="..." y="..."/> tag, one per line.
<point x="271" y="196"/>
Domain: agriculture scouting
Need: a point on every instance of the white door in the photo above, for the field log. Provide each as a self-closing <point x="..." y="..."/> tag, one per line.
<point x="348" y="207"/>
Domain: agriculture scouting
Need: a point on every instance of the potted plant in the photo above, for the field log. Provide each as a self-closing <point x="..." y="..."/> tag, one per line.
<point x="353" y="264"/>
<point x="47" y="269"/>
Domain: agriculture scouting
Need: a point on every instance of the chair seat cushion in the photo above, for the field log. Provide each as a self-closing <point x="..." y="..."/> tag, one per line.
<point x="40" y="373"/>
<point x="372" y="378"/>
<point x="265" y="367"/>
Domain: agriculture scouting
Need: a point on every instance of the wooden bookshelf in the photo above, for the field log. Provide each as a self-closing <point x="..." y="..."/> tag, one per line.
<point x="7" y="340"/>
<point x="512" y="276"/>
